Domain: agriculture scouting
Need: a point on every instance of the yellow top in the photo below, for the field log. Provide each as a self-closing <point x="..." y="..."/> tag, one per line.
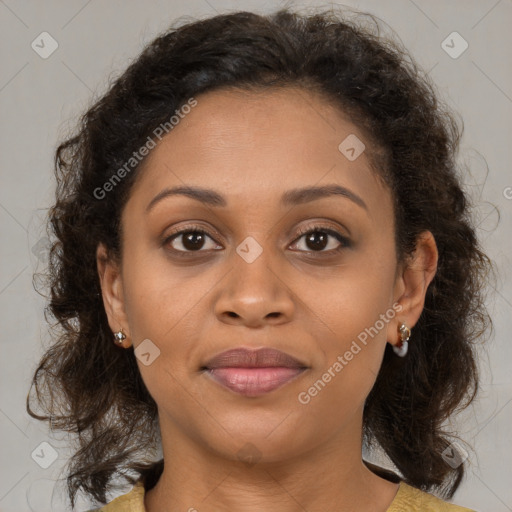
<point x="407" y="499"/>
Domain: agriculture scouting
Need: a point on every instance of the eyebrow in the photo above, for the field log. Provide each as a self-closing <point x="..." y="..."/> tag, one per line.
<point x="289" y="198"/>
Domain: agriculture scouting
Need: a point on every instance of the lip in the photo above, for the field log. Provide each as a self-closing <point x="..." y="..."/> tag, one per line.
<point x="260" y="358"/>
<point x="253" y="372"/>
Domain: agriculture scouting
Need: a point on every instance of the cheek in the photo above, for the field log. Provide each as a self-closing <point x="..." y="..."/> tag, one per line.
<point x="157" y="300"/>
<point x="352" y="351"/>
<point x="355" y="309"/>
<point x="354" y="298"/>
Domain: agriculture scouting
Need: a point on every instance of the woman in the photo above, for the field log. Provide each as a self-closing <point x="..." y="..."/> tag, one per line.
<point x="263" y="262"/>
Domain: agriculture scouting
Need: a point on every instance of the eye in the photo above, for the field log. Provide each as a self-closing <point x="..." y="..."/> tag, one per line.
<point x="316" y="239"/>
<point x="190" y="240"/>
<point x="321" y="239"/>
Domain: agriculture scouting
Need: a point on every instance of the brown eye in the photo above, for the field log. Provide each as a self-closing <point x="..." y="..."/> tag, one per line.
<point x="190" y="241"/>
<point x="319" y="239"/>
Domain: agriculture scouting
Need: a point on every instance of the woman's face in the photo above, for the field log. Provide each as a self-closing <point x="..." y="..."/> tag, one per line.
<point x="329" y="299"/>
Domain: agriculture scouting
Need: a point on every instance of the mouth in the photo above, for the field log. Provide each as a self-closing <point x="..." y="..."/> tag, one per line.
<point x="253" y="372"/>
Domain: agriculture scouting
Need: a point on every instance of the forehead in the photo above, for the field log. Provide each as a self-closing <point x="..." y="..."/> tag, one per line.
<point x="253" y="146"/>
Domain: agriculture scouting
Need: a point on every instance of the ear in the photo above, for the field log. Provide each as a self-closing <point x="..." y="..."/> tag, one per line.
<point x="112" y="292"/>
<point x="413" y="279"/>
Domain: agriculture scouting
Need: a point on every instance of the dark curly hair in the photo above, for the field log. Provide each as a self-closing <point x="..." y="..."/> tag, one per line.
<point x="87" y="386"/>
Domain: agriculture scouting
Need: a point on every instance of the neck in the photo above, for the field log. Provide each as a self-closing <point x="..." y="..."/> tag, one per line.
<point x="333" y="476"/>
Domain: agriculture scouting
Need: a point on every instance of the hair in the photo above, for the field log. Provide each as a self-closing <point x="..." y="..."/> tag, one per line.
<point x="87" y="385"/>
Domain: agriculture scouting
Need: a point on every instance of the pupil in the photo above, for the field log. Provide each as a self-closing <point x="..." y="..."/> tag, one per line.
<point x="317" y="239"/>
<point x="190" y="240"/>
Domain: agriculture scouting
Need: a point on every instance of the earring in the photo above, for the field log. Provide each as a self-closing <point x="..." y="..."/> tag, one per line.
<point x="119" y="336"/>
<point x="401" y="349"/>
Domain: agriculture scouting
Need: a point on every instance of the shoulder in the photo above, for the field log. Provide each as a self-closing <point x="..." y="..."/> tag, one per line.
<point x="410" y="499"/>
<point x="407" y="499"/>
<point x="132" y="501"/>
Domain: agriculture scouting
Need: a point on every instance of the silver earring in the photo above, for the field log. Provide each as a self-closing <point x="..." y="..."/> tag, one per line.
<point x="119" y="336"/>
<point x="401" y="349"/>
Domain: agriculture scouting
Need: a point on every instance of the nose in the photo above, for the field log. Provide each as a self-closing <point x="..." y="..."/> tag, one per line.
<point x="254" y="294"/>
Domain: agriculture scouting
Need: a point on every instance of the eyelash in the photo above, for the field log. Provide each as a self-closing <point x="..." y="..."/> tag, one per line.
<point x="344" y="241"/>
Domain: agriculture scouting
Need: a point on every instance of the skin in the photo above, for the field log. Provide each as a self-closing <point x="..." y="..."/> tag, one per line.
<point x="251" y="148"/>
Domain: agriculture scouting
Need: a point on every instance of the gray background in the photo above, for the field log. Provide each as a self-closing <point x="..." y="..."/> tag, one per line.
<point x="40" y="99"/>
